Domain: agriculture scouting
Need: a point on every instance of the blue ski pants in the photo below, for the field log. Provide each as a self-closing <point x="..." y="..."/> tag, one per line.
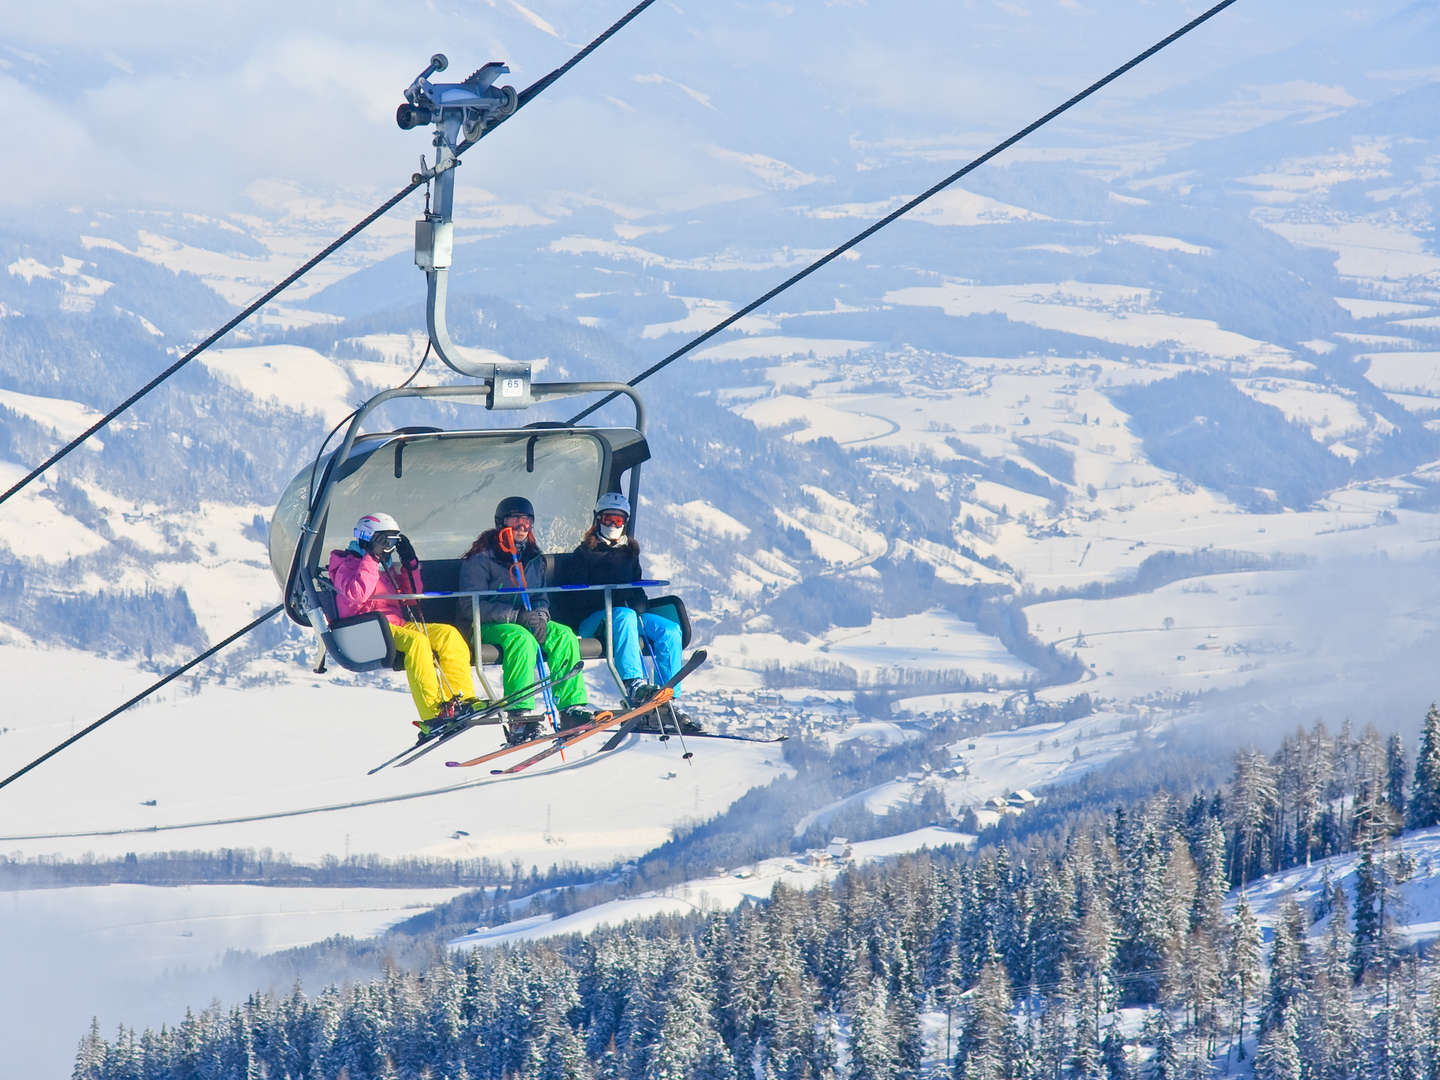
<point x="662" y="635"/>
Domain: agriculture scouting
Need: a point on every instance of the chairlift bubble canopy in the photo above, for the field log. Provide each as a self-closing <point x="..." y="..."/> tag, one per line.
<point x="442" y="486"/>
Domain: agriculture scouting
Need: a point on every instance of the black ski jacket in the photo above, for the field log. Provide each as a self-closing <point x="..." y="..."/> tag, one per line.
<point x="599" y="563"/>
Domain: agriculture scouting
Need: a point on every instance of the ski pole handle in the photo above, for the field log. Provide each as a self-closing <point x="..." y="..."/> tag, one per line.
<point x="507" y="543"/>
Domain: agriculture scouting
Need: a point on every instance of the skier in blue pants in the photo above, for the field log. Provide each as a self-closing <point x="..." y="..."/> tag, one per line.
<point x="606" y="556"/>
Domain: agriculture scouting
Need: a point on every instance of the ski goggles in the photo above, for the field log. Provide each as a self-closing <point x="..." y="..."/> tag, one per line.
<point x="519" y="519"/>
<point x="613" y="518"/>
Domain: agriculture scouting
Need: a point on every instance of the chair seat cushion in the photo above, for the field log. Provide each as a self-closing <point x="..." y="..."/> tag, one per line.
<point x="590" y="649"/>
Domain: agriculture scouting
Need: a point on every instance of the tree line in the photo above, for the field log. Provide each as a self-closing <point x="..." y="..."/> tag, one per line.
<point x="246" y="866"/>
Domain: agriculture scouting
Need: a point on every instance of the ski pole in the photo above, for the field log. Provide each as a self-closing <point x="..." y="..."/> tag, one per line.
<point x="669" y="707"/>
<point x="517" y="573"/>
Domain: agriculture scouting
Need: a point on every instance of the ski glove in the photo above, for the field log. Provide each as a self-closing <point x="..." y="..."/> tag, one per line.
<point x="537" y="622"/>
<point x="406" y="551"/>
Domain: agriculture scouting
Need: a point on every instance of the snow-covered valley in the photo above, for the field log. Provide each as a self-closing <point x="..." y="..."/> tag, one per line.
<point x="1149" y="412"/>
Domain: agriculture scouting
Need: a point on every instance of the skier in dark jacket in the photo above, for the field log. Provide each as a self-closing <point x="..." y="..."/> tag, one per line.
<point x="519" y="633"/>
<point x="607" y="556"/>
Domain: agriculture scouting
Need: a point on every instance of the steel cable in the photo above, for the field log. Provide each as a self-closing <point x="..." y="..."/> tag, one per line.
<point x="998" y="148"/>
<point x="236" y="636"/>
<point x="525" y="96"/>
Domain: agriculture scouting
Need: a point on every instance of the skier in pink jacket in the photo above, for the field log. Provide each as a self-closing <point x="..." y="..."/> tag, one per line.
<point x="382" y="560"/>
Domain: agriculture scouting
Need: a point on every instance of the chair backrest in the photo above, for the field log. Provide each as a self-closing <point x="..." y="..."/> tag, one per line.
<point x="672" y="608"/>
<point x="568" y="608"/>
<point x="443" y="575"/>
<point x="356" y="643"/>
<point x="326" y="593"/>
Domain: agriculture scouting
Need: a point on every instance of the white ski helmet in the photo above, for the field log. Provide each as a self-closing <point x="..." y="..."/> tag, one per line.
<point x="370" y="524"/>
<point x="612" y="500"/>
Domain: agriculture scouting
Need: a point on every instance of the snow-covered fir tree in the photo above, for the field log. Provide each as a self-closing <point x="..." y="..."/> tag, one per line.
<point x="1424" y="808"/>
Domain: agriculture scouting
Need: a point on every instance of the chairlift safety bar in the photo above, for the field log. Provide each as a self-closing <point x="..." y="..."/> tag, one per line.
<point x="476" y="594"/>
<point x="514" y="590"/>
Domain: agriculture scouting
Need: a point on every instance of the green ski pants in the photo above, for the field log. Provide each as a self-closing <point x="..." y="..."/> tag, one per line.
<point x="517" y="660"/>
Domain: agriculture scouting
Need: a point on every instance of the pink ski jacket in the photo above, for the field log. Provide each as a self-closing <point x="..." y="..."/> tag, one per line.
<point x="357" y="578"/>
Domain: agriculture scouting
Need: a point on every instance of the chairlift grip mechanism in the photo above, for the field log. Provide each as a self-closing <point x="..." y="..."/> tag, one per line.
<point x="461" y="113"/>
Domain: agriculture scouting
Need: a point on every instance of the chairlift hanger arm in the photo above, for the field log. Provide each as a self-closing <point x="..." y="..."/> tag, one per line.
<point x="461" y="113"/>
<point x="522" y="99"/>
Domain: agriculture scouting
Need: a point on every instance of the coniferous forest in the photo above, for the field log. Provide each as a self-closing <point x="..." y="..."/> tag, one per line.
<point x="1112" y="944"/>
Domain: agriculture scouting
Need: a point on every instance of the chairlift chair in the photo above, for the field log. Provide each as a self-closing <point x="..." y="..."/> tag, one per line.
<point x="442" y="486"/>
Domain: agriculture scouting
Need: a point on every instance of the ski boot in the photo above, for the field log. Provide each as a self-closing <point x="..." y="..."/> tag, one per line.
<point x="652" y="723"/>
<point x="684" y="721"/>
<point x="666" y="721"/>
<point x="451" y="716"/>
<point x="638" y="691"/>
<point x="466" y="708"/>
<point x="575" y="716"/>
<point x="521" y="726"/>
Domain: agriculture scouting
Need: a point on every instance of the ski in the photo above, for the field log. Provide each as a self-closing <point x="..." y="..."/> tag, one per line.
<point x="566" y="739"/>
<point x="716" y="735"/>
<point x="488" y="714"/>
<point x="548" y="740"/>
<point x="633" y="725"/>
<point x="528" y="744"/>
<point x="608" y="720"/>
<point x="620" y="720"/>
<point x="618" y="735"/>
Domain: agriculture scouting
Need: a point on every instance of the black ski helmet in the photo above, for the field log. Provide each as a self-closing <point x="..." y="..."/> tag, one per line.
<point x="514" y="504"/>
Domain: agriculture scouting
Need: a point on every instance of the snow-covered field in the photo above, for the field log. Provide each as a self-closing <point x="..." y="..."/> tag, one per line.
<point x="1189" y="635"/>
<point x="275" y="765"/>
<point x="1109" y="312"/>
<point x="1366" y="249"/>
<point x="142" y="955"/>
<point x="1413" y="372"/>
<point x="719" y="892"/>
<point x="926" y="641"/>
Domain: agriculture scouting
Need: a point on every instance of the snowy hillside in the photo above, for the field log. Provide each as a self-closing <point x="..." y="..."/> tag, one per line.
<point x="1416" y="914"/>
<point x="1147" y="409"/>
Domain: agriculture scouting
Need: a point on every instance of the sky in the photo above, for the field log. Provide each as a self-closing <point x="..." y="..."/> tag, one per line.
<point x="178" y="105"/>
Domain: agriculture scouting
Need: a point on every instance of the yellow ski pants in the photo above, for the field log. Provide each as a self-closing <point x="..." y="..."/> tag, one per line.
<point x="426" y="648"/>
